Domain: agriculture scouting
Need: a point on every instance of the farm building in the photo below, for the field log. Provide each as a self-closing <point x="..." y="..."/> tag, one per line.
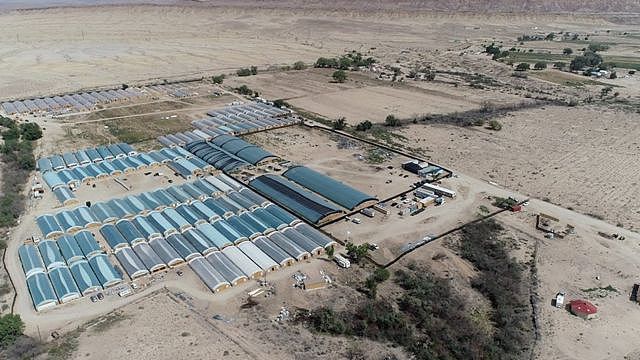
<point x="583" y="309"/>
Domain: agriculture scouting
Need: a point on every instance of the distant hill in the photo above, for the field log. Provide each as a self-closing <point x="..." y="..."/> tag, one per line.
<point x="476" y="6"/>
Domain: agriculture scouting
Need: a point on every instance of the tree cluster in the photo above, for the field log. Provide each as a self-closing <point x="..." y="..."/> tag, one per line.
<point x="392" y="120"/>
<point x="245" y="90"/>
<point x="357" y="252"/>
<point x="218" y="79"/>
<point x="247" y="71"/>
<point x="348" y="61"/>
<point x="11" y="328"/>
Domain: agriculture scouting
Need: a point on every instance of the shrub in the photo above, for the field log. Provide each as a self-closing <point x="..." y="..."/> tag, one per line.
<point x="339" y="76"/>
<point x="364" y="126"/>
<point x="391" y="120"/>
<point x="495" y="125"/>
<point x="595" y="47"/>
<point x="541" y="65"/>
<point x="613" y="75"/>
<point x="567" y="51"/>
<point x="281" y="103"/>
<point x="254" y="70"/>
<point x="559" y="65"/>
<point x="340" y="123"/>
<point x="217" y="79"/>
<point x="11" y="327"/>
<point x="30" y="131"/>
<point x="299" y="65"/>
<point x="244" y="72"/>
<point x="244" y="90"/>
<point x="523" y="67"/>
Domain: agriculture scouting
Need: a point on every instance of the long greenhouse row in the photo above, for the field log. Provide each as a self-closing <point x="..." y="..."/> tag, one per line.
<point x="79" y="102"/>
<point x="229" y="197"/>
<point x="309" y="194"/>
<point x="238" y="119"/>
<point x="58" y="271"/>
<point x="226" y="233"/>
<point x="228" y="152"/>
<point x="62" y="182"/>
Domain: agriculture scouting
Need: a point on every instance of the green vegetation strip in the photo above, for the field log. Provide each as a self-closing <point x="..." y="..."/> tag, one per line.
<point x="430" y="320"/>
<point x="18" y="162"/>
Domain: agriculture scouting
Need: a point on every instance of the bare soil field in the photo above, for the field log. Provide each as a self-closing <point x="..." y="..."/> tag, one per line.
<point x="344" y="160"/>
<point x="67" y="49"/>
<point x="582" y="158"/>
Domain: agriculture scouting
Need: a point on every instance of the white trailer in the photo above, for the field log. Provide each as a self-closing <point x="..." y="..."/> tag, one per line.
<point x="439" y="190"/>
<point x="341" y="261"/>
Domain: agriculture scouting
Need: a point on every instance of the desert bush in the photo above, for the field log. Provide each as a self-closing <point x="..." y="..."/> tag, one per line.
<point x="364" y="126"/>
<point x="523" y="67"/>
<point x="495" y="125"/>
<point x="540" y="65"/>
<point x="11" y="327"/>
<point x="339" y="76"/>
<point x="339" y="124"/>
<point x="391" y="120"/>
<point x="218" y="79"/>
<point x="244" y="72"/>
<point x="299" y="65"/>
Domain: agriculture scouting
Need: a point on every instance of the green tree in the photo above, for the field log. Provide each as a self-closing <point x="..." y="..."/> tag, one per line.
<point x="567" y="51"/>
<point x="560" y="65"/>
<point x="588" y="59"/>
<point x="339" y="76"/>
<point x="540" y="65"/>
<point x="30" y="131"/>
<point x="523" y="67"/>
<point x="340" y="123"/>
<point x="243" y="72"/>
<point x="299" y="65"/>
<point x="364" y="126"/>
<point x="11" y="327"/>
<point x="244" y="90"/>
<point x="357" y="252"/>
<point x="391" y="120"/>
<point x="595" y="47"/>
<point x="217" y="79"/>
<point x="330" y="252"/>
<point x="281" y="103"/>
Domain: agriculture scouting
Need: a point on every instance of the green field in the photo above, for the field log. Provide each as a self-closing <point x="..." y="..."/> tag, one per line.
<point x="625" y="62"/>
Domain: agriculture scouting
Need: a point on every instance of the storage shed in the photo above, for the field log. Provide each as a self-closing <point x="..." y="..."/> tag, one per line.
<point x="583" y="309"/>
